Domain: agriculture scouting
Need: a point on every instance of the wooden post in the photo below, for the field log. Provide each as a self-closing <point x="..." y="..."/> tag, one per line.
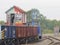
<point x="56" y="31"/>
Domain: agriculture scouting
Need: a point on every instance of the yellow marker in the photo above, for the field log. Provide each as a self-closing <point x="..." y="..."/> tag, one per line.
<point x="3" y="34"/>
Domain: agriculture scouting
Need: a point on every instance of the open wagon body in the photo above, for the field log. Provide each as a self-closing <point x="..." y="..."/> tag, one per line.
<point x="18" y="33"/>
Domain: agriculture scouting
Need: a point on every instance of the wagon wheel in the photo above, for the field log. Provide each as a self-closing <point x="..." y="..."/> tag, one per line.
<point x="13" y="42"/>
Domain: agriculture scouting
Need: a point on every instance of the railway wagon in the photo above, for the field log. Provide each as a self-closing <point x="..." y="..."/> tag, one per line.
<point x="18" y="34"/>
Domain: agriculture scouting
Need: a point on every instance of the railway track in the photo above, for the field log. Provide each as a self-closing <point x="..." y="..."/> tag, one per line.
<point x="54" y="41"/>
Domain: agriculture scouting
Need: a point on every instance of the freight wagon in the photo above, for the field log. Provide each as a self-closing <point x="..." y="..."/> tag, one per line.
<point x="18" y="34"/>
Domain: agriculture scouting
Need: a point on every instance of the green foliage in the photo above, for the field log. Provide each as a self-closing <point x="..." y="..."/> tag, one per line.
<point x="46" y="31"/>
<point x="2" y="22"/>
<point x="33" y="14"/>
<point x="45" y="24"/>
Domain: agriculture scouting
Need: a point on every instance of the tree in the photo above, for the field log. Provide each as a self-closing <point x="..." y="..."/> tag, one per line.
<point x="33" y="14"/>
<point x="38" y="17"/>
<point x="2" y="22"/>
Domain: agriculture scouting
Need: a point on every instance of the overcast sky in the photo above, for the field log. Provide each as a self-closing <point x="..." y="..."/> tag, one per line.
<point x="49" y="8"/>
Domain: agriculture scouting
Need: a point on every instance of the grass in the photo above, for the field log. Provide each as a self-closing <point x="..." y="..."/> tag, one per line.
<point x="46" y="31"/>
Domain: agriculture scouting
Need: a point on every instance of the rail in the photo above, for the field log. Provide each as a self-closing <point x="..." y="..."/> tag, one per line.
<point x="51" y="39"/>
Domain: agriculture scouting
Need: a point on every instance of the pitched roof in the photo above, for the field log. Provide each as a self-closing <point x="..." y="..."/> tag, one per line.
<point x="16" y="9"/>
